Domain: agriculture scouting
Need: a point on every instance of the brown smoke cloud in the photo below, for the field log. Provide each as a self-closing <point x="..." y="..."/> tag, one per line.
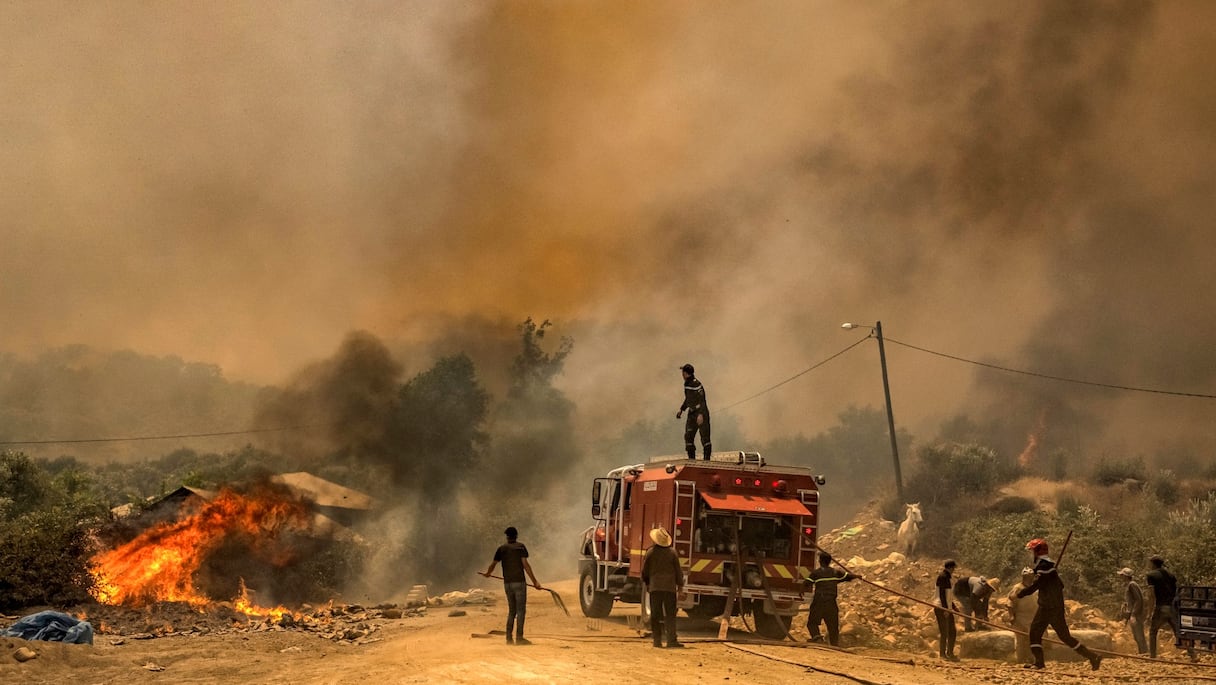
<point x="1028" y="183"/>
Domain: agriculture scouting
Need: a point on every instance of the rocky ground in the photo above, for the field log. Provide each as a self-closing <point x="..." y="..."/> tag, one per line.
<point x="888" y="640"/>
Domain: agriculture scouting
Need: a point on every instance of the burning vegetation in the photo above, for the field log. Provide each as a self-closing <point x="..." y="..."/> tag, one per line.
<point x="186" y="560"/>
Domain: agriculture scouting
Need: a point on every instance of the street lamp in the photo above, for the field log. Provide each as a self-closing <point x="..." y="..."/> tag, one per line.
<point x="876" y="331"/>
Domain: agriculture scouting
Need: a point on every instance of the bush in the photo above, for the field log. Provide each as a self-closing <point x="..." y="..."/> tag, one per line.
<point x="1116" y="471"/>
<point x="947" y="472"/>
<point x="993" y="543"/>
<point x="44" y="559"/>
<point x="1164" y="486"/>
<point x="1013" y="505"/>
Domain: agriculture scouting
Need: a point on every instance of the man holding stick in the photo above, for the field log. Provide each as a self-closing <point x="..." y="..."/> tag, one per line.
<point x="1051" y="611"/>
<point x="514" y="557"/>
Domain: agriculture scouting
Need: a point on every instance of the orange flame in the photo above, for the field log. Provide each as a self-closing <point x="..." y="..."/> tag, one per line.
<point x="1031" y="451"/>
<point x="160" y="564"/>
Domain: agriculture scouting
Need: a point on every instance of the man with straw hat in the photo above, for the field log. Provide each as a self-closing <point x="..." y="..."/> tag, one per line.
<point x="663" y="577"/>
<point x="974" y="593"/>
<point x="1132" y="611"/>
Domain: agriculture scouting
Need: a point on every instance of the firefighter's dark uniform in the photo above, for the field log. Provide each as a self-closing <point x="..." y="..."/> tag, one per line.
<point x="695" y="404"/>
<point x="1051" y="612"/>
<point x="823" y="603"/>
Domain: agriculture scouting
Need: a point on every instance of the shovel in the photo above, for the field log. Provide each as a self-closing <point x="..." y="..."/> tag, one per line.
<point x="557" y="599"/>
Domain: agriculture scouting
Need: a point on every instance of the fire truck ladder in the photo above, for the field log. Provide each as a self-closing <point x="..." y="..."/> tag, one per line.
<point x="682" y="519"/>
<point x="810" y="499"/>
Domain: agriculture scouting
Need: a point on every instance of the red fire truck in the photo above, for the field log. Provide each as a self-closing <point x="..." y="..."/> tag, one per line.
<point x="724" y="514"/>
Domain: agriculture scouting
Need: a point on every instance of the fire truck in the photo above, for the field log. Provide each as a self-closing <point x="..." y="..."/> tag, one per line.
<point x="743" y="530"/>
<point x="1197" y="616"/>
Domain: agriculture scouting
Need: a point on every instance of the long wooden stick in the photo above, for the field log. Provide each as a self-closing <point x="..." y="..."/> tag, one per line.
<point x="557" y="599"/>
<point x="1064" y="548"/>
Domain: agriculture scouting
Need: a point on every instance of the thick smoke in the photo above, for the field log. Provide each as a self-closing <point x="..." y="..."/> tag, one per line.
<point x="1027" y="183"/>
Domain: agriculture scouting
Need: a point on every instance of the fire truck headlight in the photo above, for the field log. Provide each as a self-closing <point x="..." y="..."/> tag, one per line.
<point x="670" y="468"/>
<point x="820" y="480"/>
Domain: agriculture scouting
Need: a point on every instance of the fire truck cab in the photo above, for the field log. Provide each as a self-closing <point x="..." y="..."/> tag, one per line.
<point x="724" y="514"/>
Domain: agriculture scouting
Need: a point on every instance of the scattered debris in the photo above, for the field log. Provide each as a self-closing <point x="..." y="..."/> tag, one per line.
<point x="150" y="666"/>
<point x="457" y="612"/>
<point x="24" y="654"/>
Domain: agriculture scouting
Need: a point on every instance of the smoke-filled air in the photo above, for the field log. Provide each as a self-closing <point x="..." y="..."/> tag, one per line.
<point x="452" y="255"/>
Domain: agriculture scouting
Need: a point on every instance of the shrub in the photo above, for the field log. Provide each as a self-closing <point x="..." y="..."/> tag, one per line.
<point x="1164" y="486"/>
<point x="946" y="472"/>
<point x="1115" y="471"/>
<point x="44" y="558"/>
<point x="1013" y="505"/>
<point x="993" y="543"/>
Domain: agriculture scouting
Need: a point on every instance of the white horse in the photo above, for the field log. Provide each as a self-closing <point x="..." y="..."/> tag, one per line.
<point x="909" y="530"/>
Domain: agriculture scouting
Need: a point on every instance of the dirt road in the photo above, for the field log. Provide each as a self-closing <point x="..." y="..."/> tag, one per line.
<point x="438" y="648"/>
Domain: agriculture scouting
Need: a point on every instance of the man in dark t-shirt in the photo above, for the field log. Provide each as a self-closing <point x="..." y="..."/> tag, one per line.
<point x="1165" y="611"/>
<point x="514" y="558"/>
<point x="943" y="602"/>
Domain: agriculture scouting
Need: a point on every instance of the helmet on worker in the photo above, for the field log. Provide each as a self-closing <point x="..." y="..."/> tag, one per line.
<point x="1038" y="546"/>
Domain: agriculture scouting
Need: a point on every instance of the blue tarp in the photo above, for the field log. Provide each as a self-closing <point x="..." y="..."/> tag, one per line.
<point x="52" y="626"/>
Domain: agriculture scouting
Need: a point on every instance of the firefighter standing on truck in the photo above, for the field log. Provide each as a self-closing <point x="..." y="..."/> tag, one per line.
<point x="1051" y="611"/>
<point x="698" y="414"/>
<point x="825" y="582"/>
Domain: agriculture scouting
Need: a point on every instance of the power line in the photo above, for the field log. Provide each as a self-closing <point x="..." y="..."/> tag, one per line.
<point x="1050" y="377"/>
<point x="151" y="437"/>
<point x="800" y="373"/>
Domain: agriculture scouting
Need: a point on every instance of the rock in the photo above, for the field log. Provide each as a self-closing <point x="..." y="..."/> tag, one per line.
<point x="391" y="613"/>
<point x="999" y="644"/>
<point x="24" y="654"/>
<point x="848" y="629"/>
<point x="150" y="666"/>
<point x="889" y="639"/>
<point x="457" y="612"/>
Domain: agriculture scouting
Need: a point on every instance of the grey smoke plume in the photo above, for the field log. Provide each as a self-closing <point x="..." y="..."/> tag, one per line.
<point x="1023" y="182"/>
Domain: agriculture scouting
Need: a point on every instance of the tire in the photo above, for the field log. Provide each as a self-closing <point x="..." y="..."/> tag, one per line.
<point x="771" y="626"/>
<point x="595" y="604"/>
<point x="709" y="607"/>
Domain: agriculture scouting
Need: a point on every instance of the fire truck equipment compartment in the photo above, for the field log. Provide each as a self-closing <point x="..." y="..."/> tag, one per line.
<point x="755" y="503"/>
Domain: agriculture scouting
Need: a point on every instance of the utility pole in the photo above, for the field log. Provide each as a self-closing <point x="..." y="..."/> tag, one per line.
<point x="886" y="391"/>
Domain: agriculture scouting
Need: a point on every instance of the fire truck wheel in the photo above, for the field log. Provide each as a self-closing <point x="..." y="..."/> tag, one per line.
<point x="595" y="604"/>
<point x="771" y="626"/>
<point x="710" y="607"/>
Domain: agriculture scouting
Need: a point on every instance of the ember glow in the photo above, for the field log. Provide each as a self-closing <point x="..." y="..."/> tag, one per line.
<point x="160" y="564"/>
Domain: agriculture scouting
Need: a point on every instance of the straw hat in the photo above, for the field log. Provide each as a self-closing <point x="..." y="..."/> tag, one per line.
<point x="1126" y="572"/>
<point x="994" y="583"/>
<point x="660" y="537"/>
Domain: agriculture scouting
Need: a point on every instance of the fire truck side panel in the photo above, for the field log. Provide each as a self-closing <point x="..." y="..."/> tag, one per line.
<point x="652" y="508"/>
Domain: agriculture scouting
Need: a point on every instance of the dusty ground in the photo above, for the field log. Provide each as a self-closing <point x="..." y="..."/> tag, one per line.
<point x="438" y="648"/>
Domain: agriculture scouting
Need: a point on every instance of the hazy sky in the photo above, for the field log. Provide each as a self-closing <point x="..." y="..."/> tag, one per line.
<point x="1027" y="183"/>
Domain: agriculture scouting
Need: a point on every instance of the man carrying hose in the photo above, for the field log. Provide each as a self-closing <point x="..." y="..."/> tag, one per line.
<point x="824" y="581"/>
<point x="1051" y="610"/>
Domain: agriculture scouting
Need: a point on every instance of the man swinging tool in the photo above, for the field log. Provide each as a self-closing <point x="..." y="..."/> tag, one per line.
<point x="1051" y="611"/>
<point x="698" y="414"/>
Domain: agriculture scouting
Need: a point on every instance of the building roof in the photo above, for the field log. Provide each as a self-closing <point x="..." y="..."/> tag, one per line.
<point x="325" y="493"/>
